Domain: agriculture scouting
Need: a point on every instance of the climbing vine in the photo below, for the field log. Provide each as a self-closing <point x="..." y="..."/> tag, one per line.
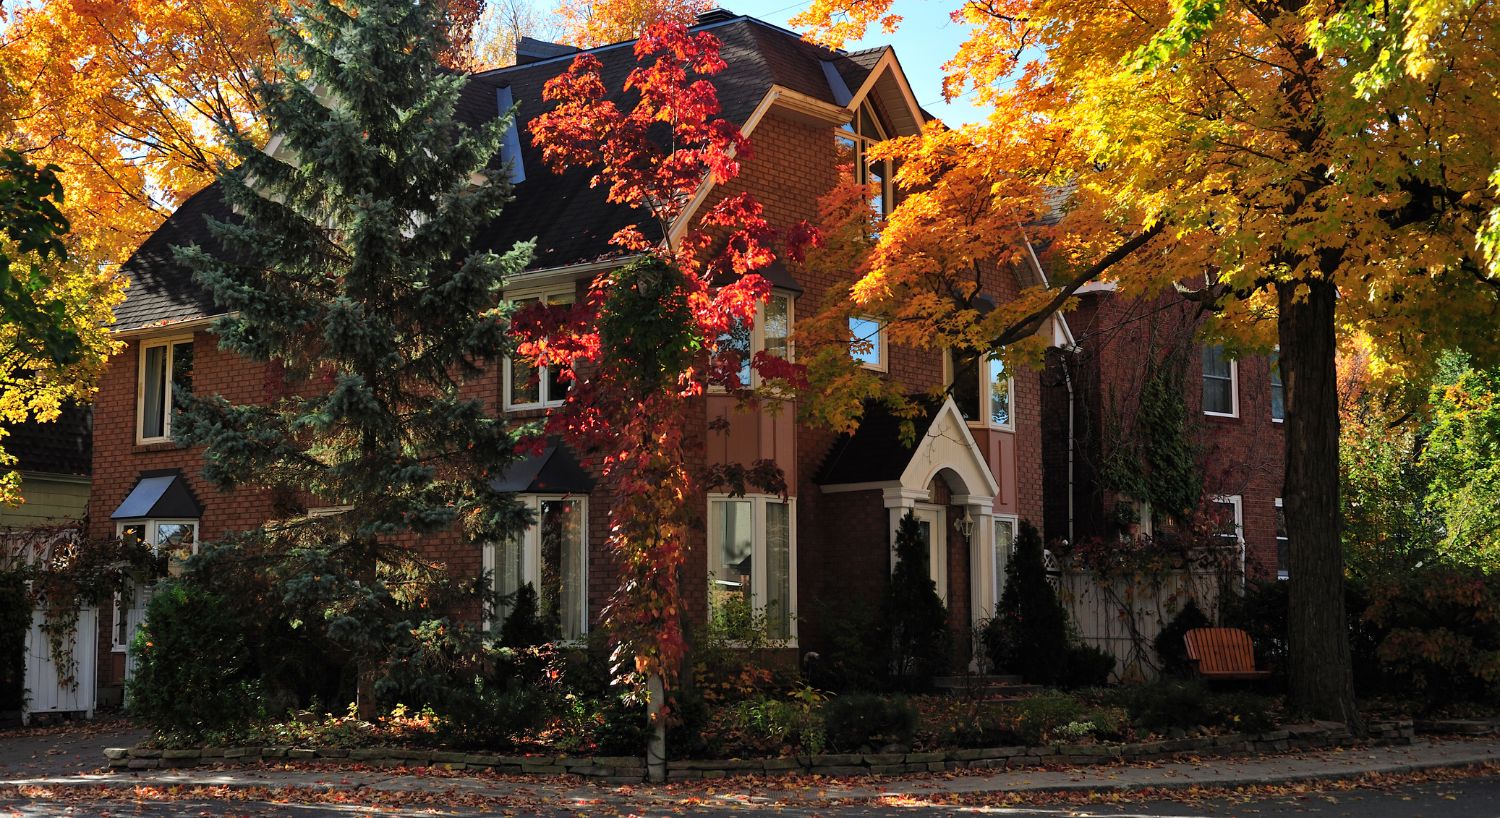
<point x="1153" y="455"/>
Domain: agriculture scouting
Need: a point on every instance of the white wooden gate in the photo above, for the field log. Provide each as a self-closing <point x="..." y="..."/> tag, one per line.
<point x="1122" y="615"/>
<point x="48" y="690"/>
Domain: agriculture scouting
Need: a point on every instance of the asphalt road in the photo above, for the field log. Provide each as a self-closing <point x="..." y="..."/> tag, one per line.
<point x="1465" y="798"/>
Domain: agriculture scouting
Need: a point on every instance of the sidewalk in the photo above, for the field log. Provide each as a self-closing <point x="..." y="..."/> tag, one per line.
<point x="437" y="786"/>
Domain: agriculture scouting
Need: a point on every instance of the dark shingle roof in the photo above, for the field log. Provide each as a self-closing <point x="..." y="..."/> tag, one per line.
<point x="571" y="222"/>
<point x="876" y="451"/>
<point x="64" y="446"/>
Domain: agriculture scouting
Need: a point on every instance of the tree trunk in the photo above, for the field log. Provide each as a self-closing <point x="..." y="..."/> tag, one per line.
<point x="1322" y="677"/>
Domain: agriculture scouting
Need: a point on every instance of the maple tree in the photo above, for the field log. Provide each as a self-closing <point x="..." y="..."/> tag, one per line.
<point x="1302" y="169"/>
<point x="641" y="347"/>
<point x="589" y="23"/>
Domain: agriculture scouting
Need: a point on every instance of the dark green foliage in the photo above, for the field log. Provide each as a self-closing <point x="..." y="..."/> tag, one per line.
<point x="1029" y="633"/>
<point x="489" y="716"/>
<point x="914" y="616"/>
<point x="195" y="673"/>
<point x="522" y="627"/>
<point x="648" y="325"/>
<point x="1171" y="649"/>
<point x="860" y="720"/>
<point x="1153" y="456"/>
<point x="1088" y="666"/>
<point x="31" y="220"/>
<point x="1261" y="611"/>
<point x="1188" y="704"/>
<point x="1438" y="634"/>
<point x="15" y="621"/>
<point x="858" y="656"/>
<point x="351" y="266"/>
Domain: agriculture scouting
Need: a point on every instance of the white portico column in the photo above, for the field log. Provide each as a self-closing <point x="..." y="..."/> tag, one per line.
<point x="982" y="600"/>
<point x="898" y="501"/>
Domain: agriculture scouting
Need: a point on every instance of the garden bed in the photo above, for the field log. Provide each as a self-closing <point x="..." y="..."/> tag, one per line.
<point x="632" y="768"/>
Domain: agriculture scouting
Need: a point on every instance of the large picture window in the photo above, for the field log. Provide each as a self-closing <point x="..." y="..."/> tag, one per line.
<point x="752" y="559"/>
<point x="552" y="557"/>
<point x="527" y="384"/>
<point x="981" y="388"/>
<point x="1220" y="390"/>
<point x="166" y="377"/>
<point x="771" y="333"/>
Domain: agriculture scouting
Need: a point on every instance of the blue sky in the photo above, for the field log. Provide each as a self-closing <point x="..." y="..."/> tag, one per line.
<point x="925" y="40"/>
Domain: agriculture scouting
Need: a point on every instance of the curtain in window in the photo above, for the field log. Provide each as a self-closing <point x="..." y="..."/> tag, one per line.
<point x="153" y="404"/>
<point x="778" y="326"/>
<point x="731" y="562"/>
<point x="778" y="570"/>
<point x="1005" y="535"/>
<point x="563" y="584"/>
<point x="510" y="572"/>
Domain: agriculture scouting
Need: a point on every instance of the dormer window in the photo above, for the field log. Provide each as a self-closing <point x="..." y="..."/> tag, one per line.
<point x="853" y="146"/>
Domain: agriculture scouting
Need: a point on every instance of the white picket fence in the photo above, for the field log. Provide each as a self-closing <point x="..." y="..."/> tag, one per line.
<point x="48" y="690"/>
<point x="1123" y="614"/>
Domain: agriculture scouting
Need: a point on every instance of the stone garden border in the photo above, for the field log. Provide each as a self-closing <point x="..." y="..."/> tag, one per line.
<point x="631" y="769"/>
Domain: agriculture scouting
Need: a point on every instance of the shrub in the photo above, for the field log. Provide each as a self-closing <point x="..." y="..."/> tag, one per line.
<point x="488" y="716"/>
<point x="15" y="621"/>
<point x="1034" y="719"/>
<point x="1242" y="712"/>
<point x="1029" y="632"/>
<point x="523" y="627"/>
<point x="1088" y="666"/>
<point x="914" y="615"/>
<point x="1171" y="650"/>
<point x="858" y="655"/>
<point x="1441" y="633"/>
<point x="1165" y="704"/>
<point x="195" y="674"/>
<point x="866" y="719"/>
<point x="769" y="725"/>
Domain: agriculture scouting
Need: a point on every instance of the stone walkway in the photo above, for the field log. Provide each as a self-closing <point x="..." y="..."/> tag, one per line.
<point x="1216" y="772"/>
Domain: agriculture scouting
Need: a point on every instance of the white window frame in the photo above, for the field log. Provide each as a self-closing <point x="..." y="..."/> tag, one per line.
<point x="1234" y="386"/>
<point x="758" y="547"/>
<point x="986" y="415"/>
<point x="170" y="342"/>
<point x="1238" y="502"/>
<point x="1273" y="374"/>
<point x="531" y="557"/>
<point x="149" y="532"/>
<point x="882" y="362"/>
<point x="758" y="337"/>
<point x="545" y="398"/>
<point x="862" y="142"/>
<point x="1287" y="536"/>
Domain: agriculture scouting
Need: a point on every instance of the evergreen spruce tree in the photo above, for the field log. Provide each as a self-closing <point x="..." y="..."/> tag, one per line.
<point x="1029" y="634"/>
<point x="915" y="617"/>
<point x="350" y="265"/>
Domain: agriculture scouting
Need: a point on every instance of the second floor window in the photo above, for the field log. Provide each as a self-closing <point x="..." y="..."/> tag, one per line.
<point x="771" y="334"/>
<point x="867" y="343"/>
<point x="1278" y="390"/>
<point x="166" y="377"/>
<point x="1220" y="392"/>
<point x="527" y="384"/>
<point x="981" y="388"/>
<point x="853" y="145"/>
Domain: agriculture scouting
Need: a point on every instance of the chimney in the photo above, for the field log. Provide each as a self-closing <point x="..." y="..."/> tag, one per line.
<point x="716" y="16"/>
<point x="531" y="50"/>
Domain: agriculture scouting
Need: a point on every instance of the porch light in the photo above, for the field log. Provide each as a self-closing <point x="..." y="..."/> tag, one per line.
<point x="965" y="526"/>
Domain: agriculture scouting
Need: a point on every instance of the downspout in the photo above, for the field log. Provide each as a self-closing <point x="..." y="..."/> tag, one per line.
<point x="1072" y="403"/>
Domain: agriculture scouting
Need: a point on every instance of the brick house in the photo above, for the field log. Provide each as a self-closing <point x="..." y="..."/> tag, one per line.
<point x="972" y="475"/>
<point x="1234" y="407"/>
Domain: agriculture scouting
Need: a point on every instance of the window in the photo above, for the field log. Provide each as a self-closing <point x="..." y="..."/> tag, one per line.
<point x="527" y="385"/>
<point x="1227" y="519"/>
<point x="772" y="334"/>
<point x="1005" y="543"/>
<point x="867" y="343"/>
<point x="1278" y="391"/>
<point x="853" y="148"/>
<point x="752" y="548"/>
<point x="178" y="539"/>
<point x="551" y="556"/>
<point x="1283" y="544"/>
<point x="166" y="377"/>
<point x="981" y="388"/>
<point x="1220" y="393"/>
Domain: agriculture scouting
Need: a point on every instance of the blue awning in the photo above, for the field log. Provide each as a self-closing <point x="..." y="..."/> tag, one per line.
<point x="554" y="471"/>
<point x="160" y="495"/>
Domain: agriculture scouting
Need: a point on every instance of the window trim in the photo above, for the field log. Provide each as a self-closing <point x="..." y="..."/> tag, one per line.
<point x="758" y="548"/>
<point x="170" y="342"/>
<point x="1282" y="574"/>
<point x="758" y="337"/>
<point x="1273" y="374"/>
<point x="545" y="400"/>
<point x="1234" y="385"/>
<point x="150" y="524"/>
<point x="985" y="420"/>
<point x="1238" y="502"/>
<point x="531" y="562"/>
<point x="882" y="362"/>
